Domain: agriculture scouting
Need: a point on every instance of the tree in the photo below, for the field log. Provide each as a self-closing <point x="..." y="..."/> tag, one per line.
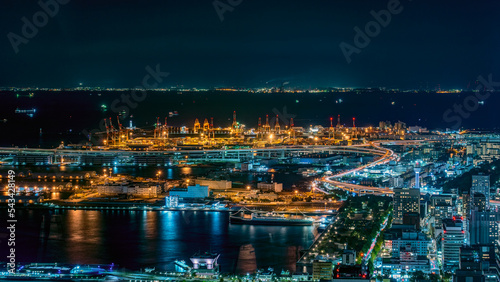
<point x="418" y="275"/>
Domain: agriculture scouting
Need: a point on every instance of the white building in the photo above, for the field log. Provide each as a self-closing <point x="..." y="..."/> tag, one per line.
<point x="453" y="239"/>
<point x="415" y="240"/>
<point x="171" y="201"/>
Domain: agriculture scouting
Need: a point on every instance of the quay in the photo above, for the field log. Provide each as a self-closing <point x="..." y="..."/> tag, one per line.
<point x="131" y="207"/>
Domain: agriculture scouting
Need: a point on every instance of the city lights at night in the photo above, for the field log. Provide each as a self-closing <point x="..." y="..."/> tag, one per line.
<point x="250" y="140"/>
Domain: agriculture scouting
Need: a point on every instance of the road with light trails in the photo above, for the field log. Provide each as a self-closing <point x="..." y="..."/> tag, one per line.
<point x="388" y="156"/>
<point x="367" y="255"/>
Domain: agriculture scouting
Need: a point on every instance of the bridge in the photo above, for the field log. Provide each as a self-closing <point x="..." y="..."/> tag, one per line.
<point x="34" y="156"/>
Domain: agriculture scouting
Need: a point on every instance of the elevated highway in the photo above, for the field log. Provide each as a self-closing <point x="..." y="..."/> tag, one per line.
<point x="34" y="156"/>
<point x="388" y="156"/>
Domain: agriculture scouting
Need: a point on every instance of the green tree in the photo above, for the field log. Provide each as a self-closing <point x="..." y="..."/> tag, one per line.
<point x="418" y="275"/>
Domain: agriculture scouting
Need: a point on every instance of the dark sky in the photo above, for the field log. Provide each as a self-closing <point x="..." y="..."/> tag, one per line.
<point x="110" y="42"/>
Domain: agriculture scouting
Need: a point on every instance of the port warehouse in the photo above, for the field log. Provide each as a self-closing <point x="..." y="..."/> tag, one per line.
<point x="164" y="158"/>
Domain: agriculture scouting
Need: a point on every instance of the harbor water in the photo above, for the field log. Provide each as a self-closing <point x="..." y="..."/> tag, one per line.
<point x="139" y="239"/>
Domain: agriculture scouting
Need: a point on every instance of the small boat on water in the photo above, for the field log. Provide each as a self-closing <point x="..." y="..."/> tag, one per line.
<point x="269" y="218"/>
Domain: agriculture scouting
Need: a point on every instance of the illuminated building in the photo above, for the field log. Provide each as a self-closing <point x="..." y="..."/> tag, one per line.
<point x="205" y="264"/>
<point x="481" y="184"/>
<point x="484" y="227"/>
<point x="417" y="170"/>
<point x="453" y="239"/>
<point x="196" y="191"/>
<point x="405" y="201"/>
<point x="322" y="270"/>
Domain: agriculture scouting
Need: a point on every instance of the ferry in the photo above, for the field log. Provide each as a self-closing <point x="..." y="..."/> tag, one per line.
<point x="270" y="218"/>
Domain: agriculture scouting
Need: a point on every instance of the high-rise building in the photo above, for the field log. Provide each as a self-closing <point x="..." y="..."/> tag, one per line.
<point x="412" y="218"/>
<point x="466" y="202"/>
<point x="470" y="258"/>
<point x="480" y="184"/>
<point x="417" y="169"/>
<point x="484" y="227"/>
<point x="453" y="239"/>
<point x="442" y="207"/>
<point x="469" y="276"/>
<point x="480" y="258"/>
<point x="441" y="212"/>
<point x="479" y="203"/>
<point x="405" y="201"/>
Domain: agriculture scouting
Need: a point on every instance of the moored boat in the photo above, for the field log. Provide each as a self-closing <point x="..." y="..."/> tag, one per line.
<point x="270" y="218"/>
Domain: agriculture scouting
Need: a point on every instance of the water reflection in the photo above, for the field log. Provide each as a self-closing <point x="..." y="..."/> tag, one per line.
<point x="137" y="239"/>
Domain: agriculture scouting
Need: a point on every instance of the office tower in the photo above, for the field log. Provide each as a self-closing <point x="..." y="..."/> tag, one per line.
<point x="484" y="227"/>
<point x="479" y="259"/>
<point x="469" y="276"/>
<point x="405" y="201"/>
<point x="417" y="169"/>
<point x="466" y="202"/>
<point x="479" y="202"/>
<point x="480" y="184"/>
<point x="453" y="239"/>
<point x="412" y="218"/>
<point x="470" y="258"/>
<point x="441" y="207"/>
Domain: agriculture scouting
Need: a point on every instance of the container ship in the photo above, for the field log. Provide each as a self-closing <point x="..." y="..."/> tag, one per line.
<point x="270" y="218"/>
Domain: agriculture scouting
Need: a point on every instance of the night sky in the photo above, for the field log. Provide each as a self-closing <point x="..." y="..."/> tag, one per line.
<point x="109" y="43"/>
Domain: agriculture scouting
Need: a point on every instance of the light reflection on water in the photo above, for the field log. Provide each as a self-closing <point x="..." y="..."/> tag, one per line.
<point x="137" y="239"/>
